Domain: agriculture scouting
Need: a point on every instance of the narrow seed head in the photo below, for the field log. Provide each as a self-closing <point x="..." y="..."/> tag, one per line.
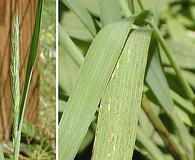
<point x="15" y="76"/>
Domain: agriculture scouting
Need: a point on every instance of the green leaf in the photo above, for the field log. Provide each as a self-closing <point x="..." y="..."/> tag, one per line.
<point x="183" y="53"/>
<point x="68" y="67"/>
<point x="149" y="145"/>
<point x="176" y="30"/>
<point x="190" y="77"/>
<point x="61" y="104"/>
<point x="185" y="109"/>
<point x="32" y="56"/>
<point x="124" y="7"/>
<point x="74" y="27"/>
<point x="88" y="138"/>
<point x="93" y="77"/>
<point x="185" y="104"/>
<point x="185" y="116"/>
<point x="1" y="153"/>
<point x="120" y="105"/>
<point x="152" y="5"/>
<point x="157" y="83"/>
<point x="145" y="124"/>
<point x="69" y="46"/>
<point x="82" y="13"/>
<point x="109" y="11"/>
<point x="92" y="6"/>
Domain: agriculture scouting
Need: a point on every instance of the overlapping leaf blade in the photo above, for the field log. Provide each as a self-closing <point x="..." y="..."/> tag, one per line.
<point x="120" y="105"/>
<point x="94" y="75"/>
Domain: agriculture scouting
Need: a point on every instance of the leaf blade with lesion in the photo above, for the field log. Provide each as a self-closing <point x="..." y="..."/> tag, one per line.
<point x="93" y="77"/>
<point x="120" y="106"/>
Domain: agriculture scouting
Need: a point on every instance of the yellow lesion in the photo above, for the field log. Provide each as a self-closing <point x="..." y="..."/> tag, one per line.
<point x="109" y="103"/>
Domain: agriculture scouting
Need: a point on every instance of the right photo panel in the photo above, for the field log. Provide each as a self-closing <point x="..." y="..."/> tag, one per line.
<point x="126" y="80"/>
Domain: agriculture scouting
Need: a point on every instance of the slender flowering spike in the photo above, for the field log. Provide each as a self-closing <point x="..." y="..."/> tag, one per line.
<point x="29" y="70"/>
<point x="15" y="79"/>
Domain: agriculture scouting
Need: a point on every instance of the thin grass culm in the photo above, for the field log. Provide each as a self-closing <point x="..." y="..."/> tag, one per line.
<point x="15" y="85"/>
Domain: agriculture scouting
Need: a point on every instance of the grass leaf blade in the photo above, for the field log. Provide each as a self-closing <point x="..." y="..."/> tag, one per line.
<point x="32" y="56"/>
<point x="82" y="13"/>
<point x="69" y="46"/>
<point x="94" y="75"/>
<point x="149" y="145"/>
<point x="109" y="15"/>
<point x="120" y="106"/>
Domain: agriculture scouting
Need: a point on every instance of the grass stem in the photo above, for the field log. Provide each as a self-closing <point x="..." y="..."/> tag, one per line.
<point x="131" y="6"/>
<point x="141" y="5"/>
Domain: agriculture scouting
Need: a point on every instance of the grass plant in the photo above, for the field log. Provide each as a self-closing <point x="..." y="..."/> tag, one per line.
<point x="20" y="104"/>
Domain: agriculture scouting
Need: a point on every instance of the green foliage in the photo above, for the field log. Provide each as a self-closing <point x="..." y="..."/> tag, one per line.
<point x="109" y="15"/>
<point x="120" y="105"/>
<point x="90" y="86"/>
<point x="1" y="153"/>
<point x="99" y="54"/>
<point x="48" y="29"/>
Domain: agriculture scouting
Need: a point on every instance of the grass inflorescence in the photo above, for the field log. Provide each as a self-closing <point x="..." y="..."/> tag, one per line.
<point x="15" y="70"/>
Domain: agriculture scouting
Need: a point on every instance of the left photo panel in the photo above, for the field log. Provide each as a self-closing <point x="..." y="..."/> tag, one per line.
<point x="27" y="80"/>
